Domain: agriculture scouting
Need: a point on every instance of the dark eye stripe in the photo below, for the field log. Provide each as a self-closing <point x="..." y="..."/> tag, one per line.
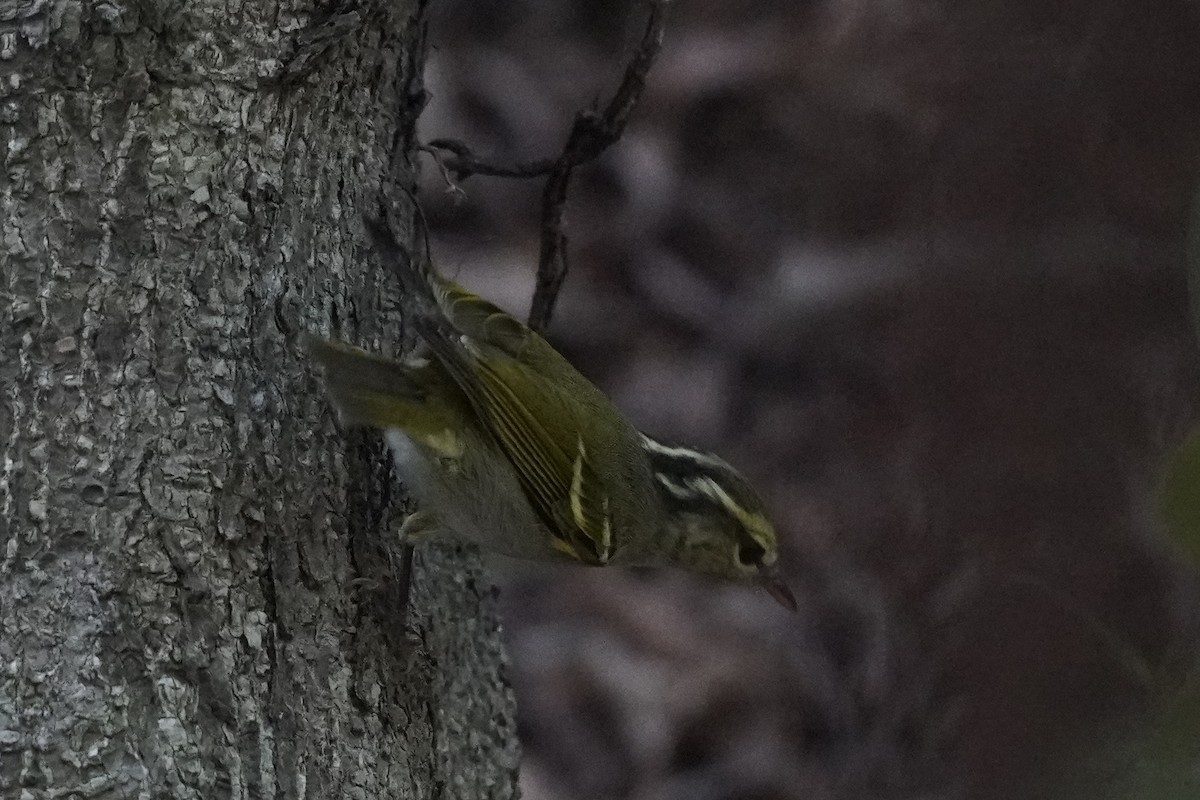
<point x="679" y="495"/>
<point x="683" y="471"/>
<point x="686" y="458"/>
<point x="701" y="493"/>
<point x="750" y="553"/>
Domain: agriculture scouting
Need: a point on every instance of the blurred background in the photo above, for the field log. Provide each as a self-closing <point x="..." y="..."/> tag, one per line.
<point x="917" y="268"/>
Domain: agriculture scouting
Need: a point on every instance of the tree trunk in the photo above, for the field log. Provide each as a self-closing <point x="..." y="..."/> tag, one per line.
<point x="199" y="590"/>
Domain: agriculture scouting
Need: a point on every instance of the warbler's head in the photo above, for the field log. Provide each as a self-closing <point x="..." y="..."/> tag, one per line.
<point x="715" y="521"/>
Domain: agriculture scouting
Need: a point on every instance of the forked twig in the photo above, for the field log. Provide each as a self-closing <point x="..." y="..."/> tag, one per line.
<point x="591" y="134"/>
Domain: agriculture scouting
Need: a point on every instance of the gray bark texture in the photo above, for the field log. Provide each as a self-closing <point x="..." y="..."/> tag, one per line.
<point x="199" y="592"/>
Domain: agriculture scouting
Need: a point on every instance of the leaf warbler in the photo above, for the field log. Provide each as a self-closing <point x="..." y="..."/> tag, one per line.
<point x="503" y="443"/>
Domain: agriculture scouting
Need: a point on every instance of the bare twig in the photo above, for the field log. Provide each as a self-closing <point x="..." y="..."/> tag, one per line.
<point x="448" y="176"/>
<point x="552" y="253"/>
<point x="591" y="134"/>
<point x="457" y="159"/>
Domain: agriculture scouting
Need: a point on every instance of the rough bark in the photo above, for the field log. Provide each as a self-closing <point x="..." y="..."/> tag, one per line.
<point x="197" y="573"/>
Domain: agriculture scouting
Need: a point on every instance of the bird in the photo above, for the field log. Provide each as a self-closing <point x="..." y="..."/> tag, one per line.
<point x="500" y="441"/>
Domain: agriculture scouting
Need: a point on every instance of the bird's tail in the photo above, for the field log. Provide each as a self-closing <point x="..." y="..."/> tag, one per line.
<point x="367" y="389"/>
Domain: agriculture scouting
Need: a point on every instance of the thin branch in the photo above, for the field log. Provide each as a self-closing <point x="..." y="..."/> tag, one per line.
<point x="602" y="130"/>
<point x="456" y="158"/>
<point x="552" y="253"/>
<point x="591" y="135"/>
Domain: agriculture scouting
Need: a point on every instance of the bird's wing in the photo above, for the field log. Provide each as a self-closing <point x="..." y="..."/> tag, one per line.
<point x="483" y="349"/>
<point x="547" y="450"/>
<point x="551" y="457"/>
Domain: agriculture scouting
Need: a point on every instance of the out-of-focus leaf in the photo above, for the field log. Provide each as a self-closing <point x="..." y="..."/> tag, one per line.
<point x="1170" y="765"/>
<point x="1181" y="497"/>
<point x="1193" y="262"/>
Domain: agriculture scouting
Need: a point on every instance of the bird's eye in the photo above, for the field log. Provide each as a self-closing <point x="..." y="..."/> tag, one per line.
<point x="750" y="554"/>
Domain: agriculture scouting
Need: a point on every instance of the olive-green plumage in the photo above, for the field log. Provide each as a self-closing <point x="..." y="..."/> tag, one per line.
<point x="504" y="443"/>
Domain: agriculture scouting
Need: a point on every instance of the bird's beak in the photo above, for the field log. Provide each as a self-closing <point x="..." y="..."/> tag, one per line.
<point x="768" y="578"/>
